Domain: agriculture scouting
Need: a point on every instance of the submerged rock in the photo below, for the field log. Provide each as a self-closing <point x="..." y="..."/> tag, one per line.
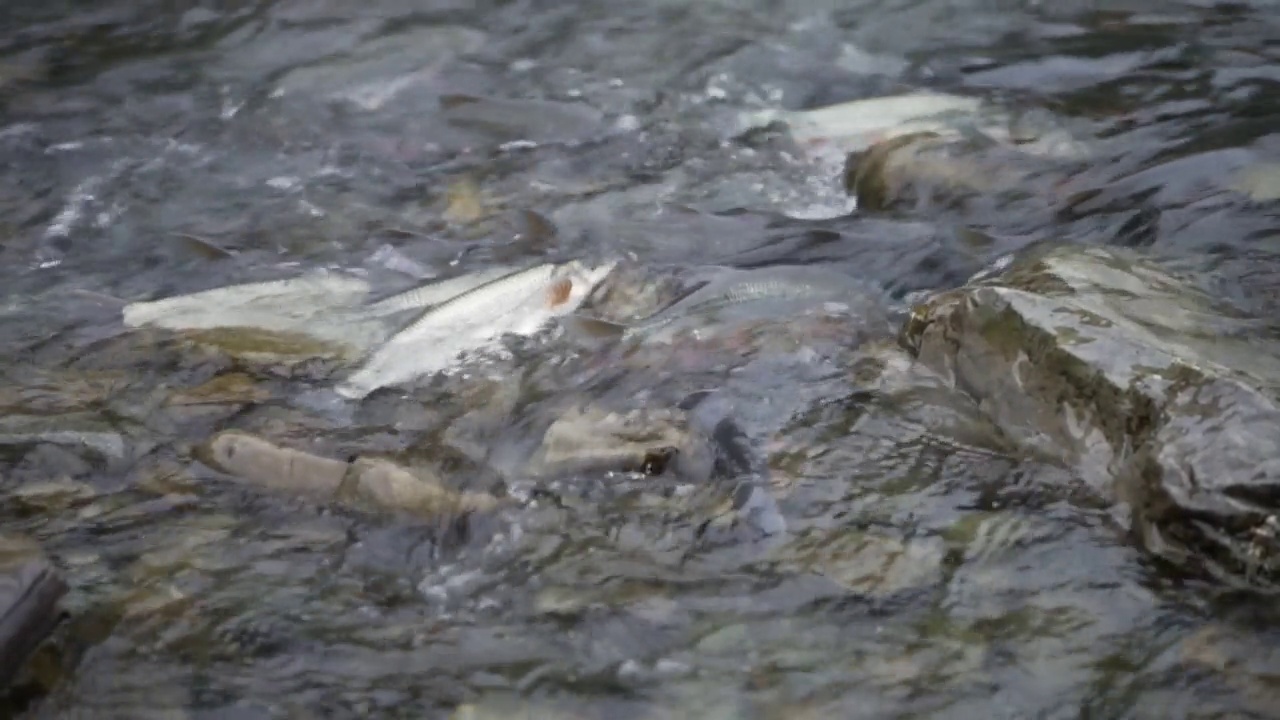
<point x="1240" y="659"/>
<point x="88" y="430"/>
<point x="870" y="564"/>
<point x="228" y="389"/>
<point x="267" y="347"/>
<point x="315" y="314"/>
<point x="1161" y="396"/>
<point x="52" y="495"/>
<point x="374" y="73"/>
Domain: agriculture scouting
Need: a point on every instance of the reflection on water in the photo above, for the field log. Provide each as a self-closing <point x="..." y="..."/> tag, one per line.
<point x="154" y="149"/>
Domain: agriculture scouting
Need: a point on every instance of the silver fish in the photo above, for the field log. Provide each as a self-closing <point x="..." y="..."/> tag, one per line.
<point x="860" y="123"/>
<point x="467" y="315"/>
<point x="325" y="305"/>
<point x="435" y="293"/>
<point x="732" y="294"/>
<point x="854" y="126"/>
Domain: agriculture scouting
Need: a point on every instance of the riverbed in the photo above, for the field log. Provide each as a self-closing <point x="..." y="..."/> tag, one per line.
<point x="154" y="149"/>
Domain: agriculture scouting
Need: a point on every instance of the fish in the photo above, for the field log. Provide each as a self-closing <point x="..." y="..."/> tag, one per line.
<point x="325" y="305"/>
<point x="464" y="315"/>
<point x="437" y="292"/>
<point x="861" y="123"/>
<point x="857" y="125"/>
<point x="731" y="293"/>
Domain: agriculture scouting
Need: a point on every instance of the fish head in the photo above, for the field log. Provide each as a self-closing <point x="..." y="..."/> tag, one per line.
<point x="572" y="283"/>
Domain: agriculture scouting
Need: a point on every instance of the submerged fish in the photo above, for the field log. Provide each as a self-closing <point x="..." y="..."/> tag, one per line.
<point x="734" y="294"/>
<point x="469" y="314"/>
<point x="857" y="125"/>
<point x="324" y="305"/>
<point x="861" y="123"/>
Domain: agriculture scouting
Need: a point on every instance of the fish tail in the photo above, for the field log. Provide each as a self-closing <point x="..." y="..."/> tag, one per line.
<point x="351" y="390"/>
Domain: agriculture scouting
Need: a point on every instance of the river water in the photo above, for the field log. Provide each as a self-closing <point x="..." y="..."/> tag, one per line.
<point x="155" y="148"/>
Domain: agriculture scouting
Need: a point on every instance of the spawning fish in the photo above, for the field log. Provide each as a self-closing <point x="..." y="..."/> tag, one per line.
<point x="858" y="124"/>
<point x="435" y="293"/>
<point x="325" y="305"/>
<point x="734" y="293"/>
<point x="469" y="314"/>
<point x="854" y="126"/>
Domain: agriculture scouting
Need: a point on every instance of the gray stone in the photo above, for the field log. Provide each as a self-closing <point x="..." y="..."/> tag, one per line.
<point x="1160" y="395"/>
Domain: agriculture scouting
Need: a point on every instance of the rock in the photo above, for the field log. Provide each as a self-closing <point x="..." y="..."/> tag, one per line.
<point x="30" y="589"/>
<point x="53" y="391"/>
<point x="495" y="705"/>
<point x="374" y="73"/>
<point x="1160" y="395"/>
<point x="86" y="430"/>
<point x="489" y="403"/>
<point x="231" y="388"/>
<point x="268" y="347"/>
<point x="464" y="203"/>
<point x="897" y="410"/>
<point x="871" y="564"/>
<point x="365" y="483"/>
<point x="53" y="495"/>
<point x="1240" y="659"/>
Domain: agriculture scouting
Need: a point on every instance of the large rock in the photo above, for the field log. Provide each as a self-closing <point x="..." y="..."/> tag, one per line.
<point x="1158" y="393"/>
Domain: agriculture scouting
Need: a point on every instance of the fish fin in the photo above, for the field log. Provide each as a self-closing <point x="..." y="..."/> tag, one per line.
<point x="449" y="101"/>
<point x="695" y="398"/>
<point x="204" y="247"/>
<point x="585" y="326"/>
<point x="685" y="292"/>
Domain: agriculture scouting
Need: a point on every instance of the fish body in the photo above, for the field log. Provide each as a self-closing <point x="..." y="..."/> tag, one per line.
<point x="435" y="293"/>
<point x="325" y="305"/>
<point x="857" y="125"/>
<point x="734" y="294"/>
<point x="466" y="316"/>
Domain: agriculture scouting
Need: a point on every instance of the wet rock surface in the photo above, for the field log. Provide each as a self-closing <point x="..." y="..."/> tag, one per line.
<point x="1158" y="392"/>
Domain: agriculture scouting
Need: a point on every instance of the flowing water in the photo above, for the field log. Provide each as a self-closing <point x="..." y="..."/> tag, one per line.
<point x="155" y="148"/>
